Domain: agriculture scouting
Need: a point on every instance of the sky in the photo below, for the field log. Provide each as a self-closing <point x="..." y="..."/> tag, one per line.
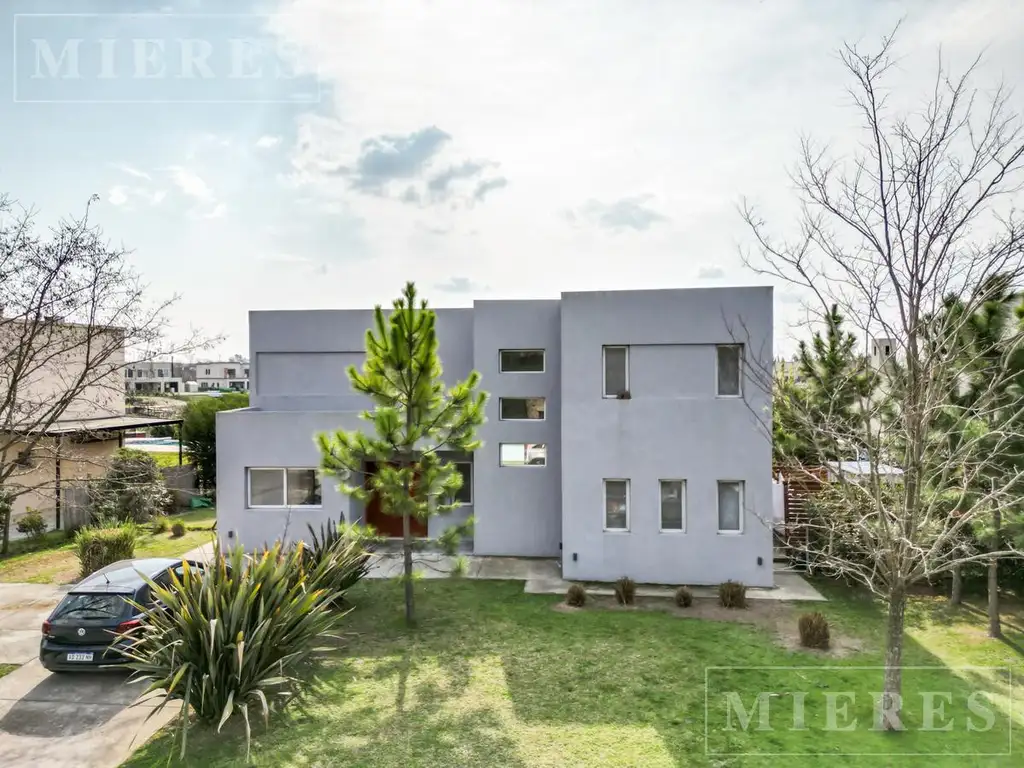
<point x="483" y="148"/>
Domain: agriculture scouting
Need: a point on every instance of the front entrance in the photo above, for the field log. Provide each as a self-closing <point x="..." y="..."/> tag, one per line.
<point x="384" y="524"/>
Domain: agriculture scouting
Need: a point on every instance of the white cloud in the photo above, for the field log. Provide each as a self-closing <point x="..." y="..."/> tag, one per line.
<point x="134" y="172"/>
<point x="217" y="212"/>
<point x="117" y="196"/>
<point x="267" y="142"/>
<point x="190" y="183"/>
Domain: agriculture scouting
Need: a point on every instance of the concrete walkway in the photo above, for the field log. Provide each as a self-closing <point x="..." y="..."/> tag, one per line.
<point x="83" y="719"/>
<point x="542" y="576"/>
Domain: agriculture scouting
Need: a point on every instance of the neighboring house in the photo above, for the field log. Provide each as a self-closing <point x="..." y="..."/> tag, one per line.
<point x="221" y="376"/>
<point x="56" y="432"/>
<point x="624" y="433"/>
<point x="154" y="377"/>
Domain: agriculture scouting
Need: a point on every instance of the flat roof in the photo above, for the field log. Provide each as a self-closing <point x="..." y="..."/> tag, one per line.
<point x="102" y="424"/>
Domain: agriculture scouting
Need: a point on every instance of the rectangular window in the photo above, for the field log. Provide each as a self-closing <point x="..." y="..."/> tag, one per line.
<point x="521" y="408"/>
<point x="673" y="505"/>
<point x="730" y="506"/>
<point x="730" y="364"/>
<point x="616" y="505"/>
<point x="284" y="487"/>
<point x="207" y="371"/>
<point x="616" y="370"/>
<point x="131" y="373"/>
<point x="521" y="361"/>
<point x="522" y="454"/>
<point x="465" y="494"/>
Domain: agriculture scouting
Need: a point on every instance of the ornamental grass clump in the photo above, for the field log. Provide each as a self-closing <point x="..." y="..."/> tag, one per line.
<point x="234" y="638"/>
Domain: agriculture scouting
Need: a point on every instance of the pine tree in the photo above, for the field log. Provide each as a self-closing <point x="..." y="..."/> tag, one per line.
<point x="831" y="382"/>
<point x="414" y="418"/>
<point x="984" y="408"/>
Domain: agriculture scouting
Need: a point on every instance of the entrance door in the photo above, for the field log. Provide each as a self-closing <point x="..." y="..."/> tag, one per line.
<point x="386" y="525"/>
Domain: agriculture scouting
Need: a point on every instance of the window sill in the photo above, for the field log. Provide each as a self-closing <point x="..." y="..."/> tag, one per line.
<point x="616" y="530"/>
<point x="729" y="397"/>
<point x="291" y="508"/>
<point x="672" y="531"/>
<point x="730" y="533"/>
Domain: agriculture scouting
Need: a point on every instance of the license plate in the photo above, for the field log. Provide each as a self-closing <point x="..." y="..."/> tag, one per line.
<point x="79" y="656"/>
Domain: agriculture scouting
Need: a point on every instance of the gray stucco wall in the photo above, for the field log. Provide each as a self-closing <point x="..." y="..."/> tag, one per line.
<point x="518" y="507"/>
<point x="673" y="427"/>
<point x="253" y="438"/>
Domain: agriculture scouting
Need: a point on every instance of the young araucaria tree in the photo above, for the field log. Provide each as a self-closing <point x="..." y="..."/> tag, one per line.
<point x="414" y="418"/>
<point x="921" y="211"/>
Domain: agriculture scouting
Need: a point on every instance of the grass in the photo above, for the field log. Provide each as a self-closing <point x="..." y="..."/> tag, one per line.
<point x="53" y="560"/>
<point x="168" y="459"/>
<point x="494" y="677"/>
<point x="6" y="669"/>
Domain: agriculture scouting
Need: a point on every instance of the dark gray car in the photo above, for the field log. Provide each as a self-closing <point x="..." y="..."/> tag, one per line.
<point x="86" y="629"/>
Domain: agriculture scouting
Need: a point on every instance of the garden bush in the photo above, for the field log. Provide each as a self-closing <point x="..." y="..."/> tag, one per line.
<point x="31" y="524"/>
<point x="814" y="631"/>
<point x="133" y="488"/>
<point x="732" y="594"/>
<point x="576" y="596"/>
<point x="178" y="530"/>
<point x="625" y="591"/>
<point x="684" y="597"/>
<point x="100" y="546"/>
<point x="237" y="638"/>
<point x="160" y="524"/>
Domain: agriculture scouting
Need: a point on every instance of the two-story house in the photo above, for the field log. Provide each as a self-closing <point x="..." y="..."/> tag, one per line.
<point x="625" y="434"/>
<point x="231" y="375"/>
<point x="154" y="377"/>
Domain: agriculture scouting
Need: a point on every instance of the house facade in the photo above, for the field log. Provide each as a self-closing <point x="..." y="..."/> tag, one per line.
<point x="154" y="377"/>
<point x="231" y="375"/>
<point x="626" y="433"/>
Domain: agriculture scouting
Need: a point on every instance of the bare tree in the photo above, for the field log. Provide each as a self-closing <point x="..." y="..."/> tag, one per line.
<point x="70" y="306"/>
<point x="921" y="211"/>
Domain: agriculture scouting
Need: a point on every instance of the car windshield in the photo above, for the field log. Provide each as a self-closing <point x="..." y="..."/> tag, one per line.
<point x="85" y="606"/>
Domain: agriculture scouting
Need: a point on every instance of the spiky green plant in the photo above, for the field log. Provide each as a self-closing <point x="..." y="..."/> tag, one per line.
<point x="460" y="567"/>
<point x="684" y="597"/>
<point x="341" y="556"/>
<point x="238" y="634"/>
<point x="814" y="631"/>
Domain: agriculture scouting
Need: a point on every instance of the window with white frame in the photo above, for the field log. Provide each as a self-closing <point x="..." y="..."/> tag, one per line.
<point x="522" y="454"/>
<point x="730" y="365"/>
<point x="730" y="506"/>
<point x="521" y="408"/>
<point x="465" y="493"/>
<point x="616" y="370"/>
<point x="284" y="487"/>
<point x="521" y="361"/>
<point x="673" y="505"/>
<point x="616" y="505"/>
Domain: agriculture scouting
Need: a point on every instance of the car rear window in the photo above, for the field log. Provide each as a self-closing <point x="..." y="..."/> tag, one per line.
<point x="92" y="606"/>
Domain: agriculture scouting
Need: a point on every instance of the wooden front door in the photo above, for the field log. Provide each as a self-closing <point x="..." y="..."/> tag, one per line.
<point x="386" y="525"/>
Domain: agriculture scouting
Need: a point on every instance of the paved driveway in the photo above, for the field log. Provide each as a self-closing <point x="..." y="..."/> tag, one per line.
<point x="82" y="720"/>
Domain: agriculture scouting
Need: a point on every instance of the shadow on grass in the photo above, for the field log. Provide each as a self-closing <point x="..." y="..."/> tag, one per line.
<point x="489" y="670"/>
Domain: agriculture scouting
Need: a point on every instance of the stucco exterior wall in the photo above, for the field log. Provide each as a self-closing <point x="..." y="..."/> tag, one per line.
<point x="673" y="427"/>
<point x="518" y="507"/>
<point x="35" y="485"/>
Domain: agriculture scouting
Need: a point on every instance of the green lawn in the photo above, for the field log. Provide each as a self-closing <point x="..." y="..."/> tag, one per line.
<point x="7" y="669"/>
<point x="494" y="677"/>
<point x="53" y="561"/>
<point x="168" y="458"/>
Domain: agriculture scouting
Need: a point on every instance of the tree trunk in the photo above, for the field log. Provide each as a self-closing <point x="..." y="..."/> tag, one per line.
<point x="893" y="685"/>
<point x="957" y="594"/>
<point x="407" y="558"/>
<point x="995" y="629"/>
